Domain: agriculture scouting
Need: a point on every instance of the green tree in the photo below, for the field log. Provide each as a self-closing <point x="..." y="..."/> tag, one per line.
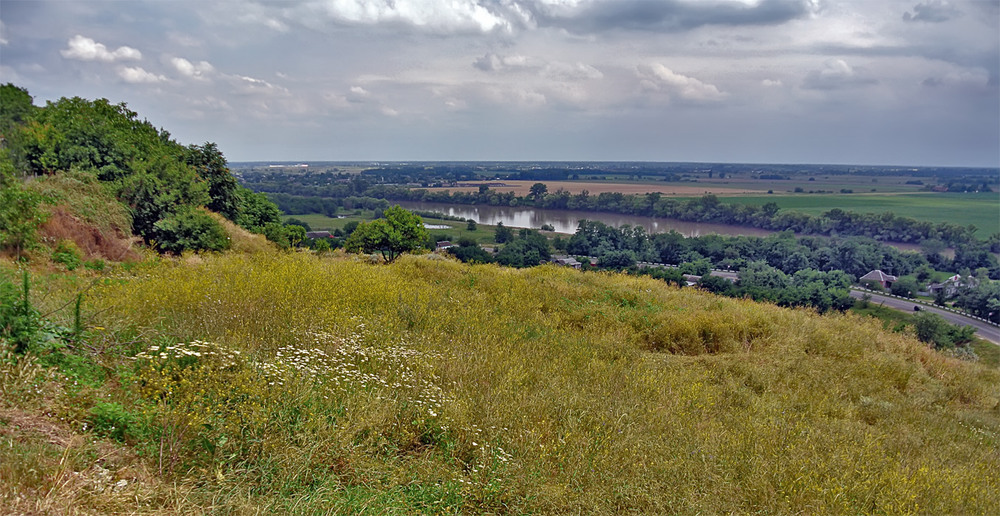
<point x="471" y="226"/>
<point x="934" y="330"/>
<point x="503" y="234"/>
<point x="296" y="234"/>
<point x="538" y="190"/>
<point x="256" y="211"/>
<point x="619" y="259"/>
<point x="905" y="287"/>
<point x="399" y="231"/>
<point x="223" y="189"/>
<point x="16" y="107"/>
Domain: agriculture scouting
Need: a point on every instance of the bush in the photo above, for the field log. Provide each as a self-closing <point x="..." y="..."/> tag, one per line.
<point x="190" y="229"/>
<point x="19" y="321"/>
<point x="67" y="254"/>
<point x="112" y="420"/>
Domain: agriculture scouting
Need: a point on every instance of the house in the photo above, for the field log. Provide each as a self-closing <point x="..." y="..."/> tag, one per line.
<point x="444" y="244"/>
<point x="877" y="276"/>
<point x="567" y="262"/>
<point x="950" y="286"/>
<point x="318" y="234"/>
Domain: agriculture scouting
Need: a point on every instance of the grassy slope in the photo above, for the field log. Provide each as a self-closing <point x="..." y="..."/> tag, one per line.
<point x="431" y="386"/>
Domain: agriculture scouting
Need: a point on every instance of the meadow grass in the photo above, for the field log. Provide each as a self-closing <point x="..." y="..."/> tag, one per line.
<point x="284" y="382"/>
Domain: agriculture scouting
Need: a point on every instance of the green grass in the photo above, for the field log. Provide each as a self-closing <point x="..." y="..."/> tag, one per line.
<point x="293" y="383"/>
<point x="896" y="320"/>
<point x="979" y="209"/>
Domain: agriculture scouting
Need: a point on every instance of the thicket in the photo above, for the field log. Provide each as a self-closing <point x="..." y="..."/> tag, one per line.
<point x="162" y="182"/>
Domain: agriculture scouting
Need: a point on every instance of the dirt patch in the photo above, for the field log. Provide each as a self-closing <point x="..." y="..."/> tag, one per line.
<point x="595" y="188"/>
<point x="93" y="242"/>
<point x="16" y="423"/>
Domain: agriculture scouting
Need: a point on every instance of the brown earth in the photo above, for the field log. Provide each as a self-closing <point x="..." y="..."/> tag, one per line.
<point x="93" y="242"/>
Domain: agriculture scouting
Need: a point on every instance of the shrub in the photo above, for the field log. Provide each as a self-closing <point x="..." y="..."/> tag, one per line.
<point x="112" y="420"/>
<point x="19" y="321"/>
<point x="67" y="254"/>
<point x="190" y="229"/>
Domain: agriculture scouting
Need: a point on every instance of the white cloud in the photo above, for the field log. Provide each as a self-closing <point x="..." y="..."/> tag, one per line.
<point x="186" y="68"/>
<point x="771" y="83"/>
<point x="251" y="86"/>
<point x="3" y="34"/>
<point x="497" y="63"/>
<point x="86" y="49"/>
<point x="137" y="75"/>
<point x="659" y="78"/>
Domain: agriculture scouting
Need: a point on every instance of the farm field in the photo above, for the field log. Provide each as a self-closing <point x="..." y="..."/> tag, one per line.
<point x="859" y="184"/>
<point x="979" y="209"/>
<point x="598" y="187"/>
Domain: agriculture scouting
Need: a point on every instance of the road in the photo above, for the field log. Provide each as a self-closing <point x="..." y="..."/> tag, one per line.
<point x="983" y="330"/>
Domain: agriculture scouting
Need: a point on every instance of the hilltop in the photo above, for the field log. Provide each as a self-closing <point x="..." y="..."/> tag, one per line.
<point x="297" y="383"/>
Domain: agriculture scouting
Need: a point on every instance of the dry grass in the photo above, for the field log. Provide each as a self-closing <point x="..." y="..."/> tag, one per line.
<point x="241" y="240"/>
<point x="289" y="383"/>
<point x="598" y="187"/>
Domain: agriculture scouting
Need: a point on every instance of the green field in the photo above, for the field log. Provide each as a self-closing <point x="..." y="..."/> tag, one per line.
<point x="979" y="209"/>
<point x="483" y="234"/>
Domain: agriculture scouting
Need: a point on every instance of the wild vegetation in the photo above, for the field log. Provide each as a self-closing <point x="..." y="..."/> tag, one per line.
<point x="165" y="187"/>
<point x="292" y="383"/>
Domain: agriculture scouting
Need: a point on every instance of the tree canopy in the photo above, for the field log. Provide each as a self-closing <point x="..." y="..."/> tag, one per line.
<point x="397" y="232"/>
<point x="161" y="181"/>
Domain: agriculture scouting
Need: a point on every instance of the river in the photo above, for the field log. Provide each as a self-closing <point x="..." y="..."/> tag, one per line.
<point x="566" y="221"/>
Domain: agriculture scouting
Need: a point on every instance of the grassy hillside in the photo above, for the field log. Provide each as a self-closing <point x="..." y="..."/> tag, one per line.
<point x="288" y="383"/>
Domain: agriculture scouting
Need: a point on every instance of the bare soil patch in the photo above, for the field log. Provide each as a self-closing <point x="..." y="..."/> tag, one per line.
<point x="92" y="241"/>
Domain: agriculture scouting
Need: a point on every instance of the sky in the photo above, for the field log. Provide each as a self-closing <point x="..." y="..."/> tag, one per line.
<point x="885" y="82"/>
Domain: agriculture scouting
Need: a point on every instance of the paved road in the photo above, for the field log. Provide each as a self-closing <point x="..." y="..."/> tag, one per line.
<point x="983" y="330"/>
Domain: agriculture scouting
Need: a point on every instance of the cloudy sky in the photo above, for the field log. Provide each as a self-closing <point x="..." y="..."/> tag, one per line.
<point x="912" y="82"/>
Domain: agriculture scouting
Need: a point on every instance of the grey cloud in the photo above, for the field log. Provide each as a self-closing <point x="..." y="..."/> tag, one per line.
<point x="671" y="15"/>
<point x="836" y="74"/>
<point x="933" y="11"/>
<point x="508" y="16"/>
<point x="495" y="63"/>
